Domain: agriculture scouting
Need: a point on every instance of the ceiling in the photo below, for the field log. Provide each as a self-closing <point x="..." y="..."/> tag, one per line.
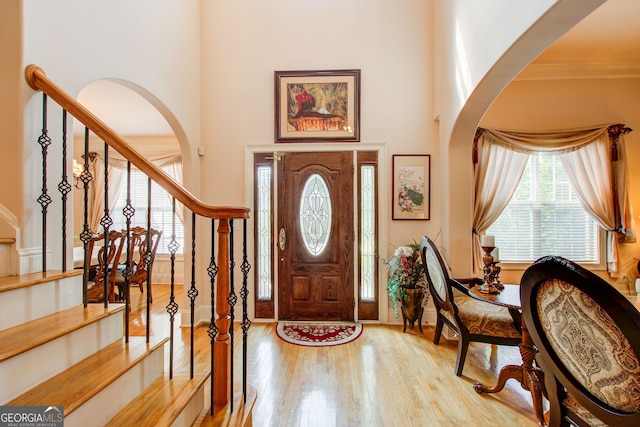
<point x="604" y="44"/>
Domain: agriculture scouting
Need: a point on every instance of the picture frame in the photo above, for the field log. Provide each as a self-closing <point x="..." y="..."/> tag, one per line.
<point x="317" y="106"/>
<point x="411" y="188"/>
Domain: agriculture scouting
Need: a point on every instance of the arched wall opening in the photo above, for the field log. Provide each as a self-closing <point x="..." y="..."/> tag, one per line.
<point x="145" y="123"/>
<point x="458" y="192"/>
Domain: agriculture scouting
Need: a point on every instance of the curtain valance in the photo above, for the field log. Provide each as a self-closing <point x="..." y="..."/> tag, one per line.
<point x="557" y="141"/>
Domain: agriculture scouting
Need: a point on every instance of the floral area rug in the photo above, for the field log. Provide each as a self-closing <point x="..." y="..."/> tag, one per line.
<point x="317" y="334"/>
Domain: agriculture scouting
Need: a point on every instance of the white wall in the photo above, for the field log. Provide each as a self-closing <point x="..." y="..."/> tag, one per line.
<point x="479" y="47"/>
<point x="164" y="47"/>
<point x="543" y="105"/>
<point x="244" y="42"/>
<point x="151" y="45"/>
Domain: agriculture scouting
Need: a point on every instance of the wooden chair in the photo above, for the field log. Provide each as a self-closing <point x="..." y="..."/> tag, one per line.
<point x="108" y="257"/>
<point x="469" y="318"/>
<point x="588" y="340"/>
<point x="142" y="257"/>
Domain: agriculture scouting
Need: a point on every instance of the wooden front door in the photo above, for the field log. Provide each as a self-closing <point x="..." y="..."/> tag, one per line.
<point x="315" y="239"/>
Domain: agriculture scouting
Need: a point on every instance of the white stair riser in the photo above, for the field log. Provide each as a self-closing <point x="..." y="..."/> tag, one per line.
<point x="192" y="411"/>
<point x="29" y="303"/>
<point x="106" y="404"/>
<point x="55" y="356"/>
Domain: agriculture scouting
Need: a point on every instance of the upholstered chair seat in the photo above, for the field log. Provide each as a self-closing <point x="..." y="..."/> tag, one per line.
<point x="485" y="319"/>
<point x="471" y="319"/>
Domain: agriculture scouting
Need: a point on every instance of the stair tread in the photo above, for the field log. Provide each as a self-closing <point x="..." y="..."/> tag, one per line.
<point x="26" y="336"/>
<point x="10" y="283"/>
<point x="81" y="382"/>
<point x="162" y="402"/>
<point x="241" y="415"/>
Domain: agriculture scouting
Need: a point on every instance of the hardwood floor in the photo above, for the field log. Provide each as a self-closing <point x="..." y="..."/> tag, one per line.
<point x="384" y="378"/>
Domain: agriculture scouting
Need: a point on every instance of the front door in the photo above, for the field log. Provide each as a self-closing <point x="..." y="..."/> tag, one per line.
<point x="315" y="239"/>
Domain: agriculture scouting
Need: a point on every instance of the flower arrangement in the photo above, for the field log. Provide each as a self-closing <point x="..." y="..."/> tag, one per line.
<point x="405" y="272"/>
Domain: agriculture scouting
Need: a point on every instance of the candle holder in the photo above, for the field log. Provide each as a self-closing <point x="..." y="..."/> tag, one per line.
<point x="491" y="271"/>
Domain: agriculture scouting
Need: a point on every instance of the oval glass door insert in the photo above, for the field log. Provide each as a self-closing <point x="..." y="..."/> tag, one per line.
<point x="315" y="214"/>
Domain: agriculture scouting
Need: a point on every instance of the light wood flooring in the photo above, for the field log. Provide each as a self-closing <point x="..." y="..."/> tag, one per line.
<point x="384" y="378"/>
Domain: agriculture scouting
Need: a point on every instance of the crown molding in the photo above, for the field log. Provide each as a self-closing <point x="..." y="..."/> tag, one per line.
<point x="580" y="70"/>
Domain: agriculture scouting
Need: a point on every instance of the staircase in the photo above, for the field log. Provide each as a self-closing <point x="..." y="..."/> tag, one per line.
<point x="55" y="352"/>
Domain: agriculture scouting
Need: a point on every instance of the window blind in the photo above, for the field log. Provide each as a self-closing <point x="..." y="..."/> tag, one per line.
<point x="161" y="212"/>
<point x="545" y="217"/>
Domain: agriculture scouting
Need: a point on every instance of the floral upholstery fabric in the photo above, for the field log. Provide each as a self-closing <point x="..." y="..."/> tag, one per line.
<point x="486" y="319"/>
<point x="571" y="403"/>
<point x="590" y="344"/>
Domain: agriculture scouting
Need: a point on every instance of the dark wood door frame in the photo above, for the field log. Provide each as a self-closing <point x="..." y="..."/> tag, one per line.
<point x="321" y="286"/>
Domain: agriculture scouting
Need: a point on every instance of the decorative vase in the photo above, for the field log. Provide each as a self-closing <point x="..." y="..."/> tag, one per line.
<point x="411" y="307"/>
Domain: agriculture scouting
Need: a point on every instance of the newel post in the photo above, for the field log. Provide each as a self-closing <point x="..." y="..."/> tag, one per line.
<point x="221" y="346"/>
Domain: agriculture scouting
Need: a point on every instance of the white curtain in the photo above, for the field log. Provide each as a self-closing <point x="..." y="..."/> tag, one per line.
<point x="170" y="163"/>
<point x="590" y="172"/>
<point x="96" y="199"/>
<point x="496" y="178"/>
<point x="599" y="182"/>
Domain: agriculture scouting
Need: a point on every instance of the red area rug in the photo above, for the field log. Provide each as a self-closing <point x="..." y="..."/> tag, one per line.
<point x="316" y="334"/>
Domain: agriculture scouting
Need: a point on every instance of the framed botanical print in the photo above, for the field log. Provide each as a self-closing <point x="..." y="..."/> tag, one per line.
<point x="317" y="106"/>
<point x="411" y="186"/>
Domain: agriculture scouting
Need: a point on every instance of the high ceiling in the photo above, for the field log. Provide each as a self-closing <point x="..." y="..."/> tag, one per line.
<point x="610" y="33"/>
<point x="605" y="44"/>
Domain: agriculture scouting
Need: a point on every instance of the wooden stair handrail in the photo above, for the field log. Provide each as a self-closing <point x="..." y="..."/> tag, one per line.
<point x="38" y="80"/>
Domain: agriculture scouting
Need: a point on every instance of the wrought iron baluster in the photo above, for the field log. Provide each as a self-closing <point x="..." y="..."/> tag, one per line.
<point x="244" y="293"/>
<point x="44" y="199"/>
<point x="172" y="307"/>
<point x="148" y="258"/>
<point x="193" y="292"/>
<point x="106" y="223"/>
<point x="86" y="235"/>
<point x="128" y="211"/>
<point x="64" y="188"/>
<point x="212" y="331"/>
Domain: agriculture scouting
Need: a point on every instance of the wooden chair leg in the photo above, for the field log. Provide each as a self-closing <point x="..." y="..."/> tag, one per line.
<point x="438" y="331"/>
<point x="463" y="346"/>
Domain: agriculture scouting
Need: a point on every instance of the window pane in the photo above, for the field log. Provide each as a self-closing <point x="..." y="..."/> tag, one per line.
<point x="263" y="219"/>
<point x="545" y="217"/>
<point x="161" y="212"/>
<point x="315" y="214"/>
<point x="368" y="233"/>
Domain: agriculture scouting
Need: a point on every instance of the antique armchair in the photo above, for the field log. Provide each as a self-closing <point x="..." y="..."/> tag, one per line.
<point x="108" y="257"/>
<point x="588" y="339"/>
<point x="141" y="256"/>
<point x="471" y="319"/>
